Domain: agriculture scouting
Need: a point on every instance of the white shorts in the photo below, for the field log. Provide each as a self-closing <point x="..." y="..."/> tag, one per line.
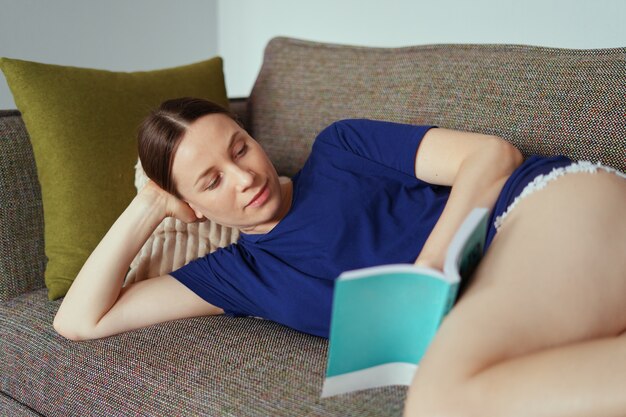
<point x="540" y="181"/>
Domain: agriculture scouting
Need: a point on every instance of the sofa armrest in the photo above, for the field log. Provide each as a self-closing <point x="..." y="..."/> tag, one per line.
<point x="239" y="106"/>
<point x="22" y="256"/>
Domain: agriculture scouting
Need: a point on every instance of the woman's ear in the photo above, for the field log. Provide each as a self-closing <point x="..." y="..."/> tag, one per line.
<point x="197" y="212"/>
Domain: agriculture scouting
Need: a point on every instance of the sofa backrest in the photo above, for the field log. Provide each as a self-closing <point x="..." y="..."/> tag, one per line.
<point x="544" y="100"/>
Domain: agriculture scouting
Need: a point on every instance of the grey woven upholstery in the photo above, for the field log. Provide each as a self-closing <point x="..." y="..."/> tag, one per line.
<point x="22" y="260"/>
<point x="11" y="408"/>
<point x="209" y="366"/>
<point x="544" y="100"/>
<point x="239" y="106"/>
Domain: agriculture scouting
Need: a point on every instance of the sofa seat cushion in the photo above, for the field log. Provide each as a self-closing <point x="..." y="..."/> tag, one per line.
<point x="12" y="408"/>
<point x="201" y="366"/>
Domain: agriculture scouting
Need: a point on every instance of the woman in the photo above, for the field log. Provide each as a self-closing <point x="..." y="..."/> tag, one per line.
<point x="542" y="319"/>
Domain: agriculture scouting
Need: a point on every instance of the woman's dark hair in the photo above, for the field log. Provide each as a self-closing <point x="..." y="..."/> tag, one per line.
<point x="161" y="131"/>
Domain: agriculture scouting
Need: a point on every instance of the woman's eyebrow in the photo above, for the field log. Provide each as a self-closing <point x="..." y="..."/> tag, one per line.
<point x="231" y="141"/>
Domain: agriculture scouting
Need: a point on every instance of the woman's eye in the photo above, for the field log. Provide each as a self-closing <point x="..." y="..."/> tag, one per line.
<point x="243" y="150"/>
<point x="213" y="184"/>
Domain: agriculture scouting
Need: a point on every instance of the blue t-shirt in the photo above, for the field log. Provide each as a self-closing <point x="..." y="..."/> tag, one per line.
<point x="356" y="203"/>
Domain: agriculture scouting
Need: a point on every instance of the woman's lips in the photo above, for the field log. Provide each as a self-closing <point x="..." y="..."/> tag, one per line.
<point x="260" y="198"/>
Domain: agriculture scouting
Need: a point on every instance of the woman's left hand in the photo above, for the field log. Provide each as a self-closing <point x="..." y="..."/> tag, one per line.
<point x="428" y="263"/>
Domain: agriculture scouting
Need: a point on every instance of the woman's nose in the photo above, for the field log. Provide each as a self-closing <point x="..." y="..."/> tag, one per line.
<point x="244" y="177"/>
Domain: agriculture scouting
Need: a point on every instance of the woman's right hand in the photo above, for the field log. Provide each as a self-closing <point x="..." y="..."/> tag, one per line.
<point x="95" y="291"/>
<point x="170" y="205"/>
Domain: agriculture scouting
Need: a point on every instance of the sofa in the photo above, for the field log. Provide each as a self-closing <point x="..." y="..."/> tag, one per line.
<point x="544" y="100"/>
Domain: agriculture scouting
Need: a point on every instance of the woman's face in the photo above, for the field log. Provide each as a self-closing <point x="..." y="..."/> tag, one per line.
<point x="225" y="175"/>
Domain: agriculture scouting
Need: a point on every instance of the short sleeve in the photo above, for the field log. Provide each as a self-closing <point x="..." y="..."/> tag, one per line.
<point x="250" y="281"/>
<point x="222" y="279"/>
<point x="392" y="144"/>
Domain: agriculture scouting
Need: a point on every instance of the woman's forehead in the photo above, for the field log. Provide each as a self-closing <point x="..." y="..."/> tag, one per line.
<point x="211" y="129"/>
<point x="203" y="144"/>
<point x="207" y="134"/>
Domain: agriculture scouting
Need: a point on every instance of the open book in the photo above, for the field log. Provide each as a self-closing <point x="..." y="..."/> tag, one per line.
<point x="385" y="317"/>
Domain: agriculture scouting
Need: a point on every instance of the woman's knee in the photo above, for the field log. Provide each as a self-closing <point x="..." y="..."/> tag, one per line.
<point x="461" y="399"/>
<point x="462" y="348"/>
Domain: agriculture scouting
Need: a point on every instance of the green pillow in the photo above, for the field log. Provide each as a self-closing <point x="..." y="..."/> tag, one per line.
<point x="83" y="123"/>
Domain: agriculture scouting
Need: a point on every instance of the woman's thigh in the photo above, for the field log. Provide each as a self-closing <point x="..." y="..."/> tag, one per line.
<point x="555" y="274"/>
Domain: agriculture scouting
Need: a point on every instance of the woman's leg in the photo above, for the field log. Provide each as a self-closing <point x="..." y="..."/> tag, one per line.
<point x="541" y="329"/>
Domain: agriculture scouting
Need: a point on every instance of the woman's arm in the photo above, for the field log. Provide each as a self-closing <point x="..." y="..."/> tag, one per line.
<point x="475" y="165"/>
<point x="91" y="309"/>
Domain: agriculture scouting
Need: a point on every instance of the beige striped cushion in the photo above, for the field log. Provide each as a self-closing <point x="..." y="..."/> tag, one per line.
<point x="175" y="243"/>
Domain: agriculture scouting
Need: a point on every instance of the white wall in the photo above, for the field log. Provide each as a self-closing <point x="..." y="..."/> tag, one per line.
<point x="117" y="35"/>
<point x="132" y="35"/>
<point x="245" y="26"/>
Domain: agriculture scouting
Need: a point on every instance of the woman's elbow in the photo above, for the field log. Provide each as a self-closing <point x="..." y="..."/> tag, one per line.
<point x="69" y="331"/>
<point x="516" y="155"/>
<point x="507" y="155"/>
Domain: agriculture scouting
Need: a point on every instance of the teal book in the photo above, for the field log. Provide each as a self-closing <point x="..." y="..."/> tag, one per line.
<point x="385" y="317"/>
